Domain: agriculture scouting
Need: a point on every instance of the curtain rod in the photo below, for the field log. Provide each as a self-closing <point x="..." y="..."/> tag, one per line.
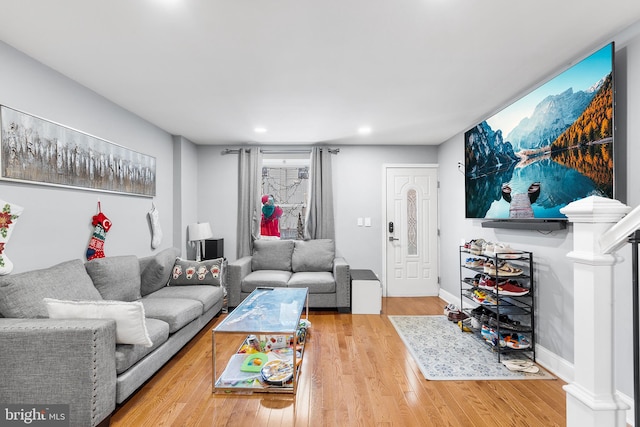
<point x="267" y="151"/>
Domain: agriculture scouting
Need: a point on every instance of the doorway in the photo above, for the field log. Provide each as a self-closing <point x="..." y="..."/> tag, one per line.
<point x="411" y="230"/>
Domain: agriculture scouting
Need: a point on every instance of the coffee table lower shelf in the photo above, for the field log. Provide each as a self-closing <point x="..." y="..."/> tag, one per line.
<point x="234" y="379"/>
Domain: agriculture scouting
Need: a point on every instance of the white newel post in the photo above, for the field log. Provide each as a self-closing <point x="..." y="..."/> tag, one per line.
<point x="591" y="398"/>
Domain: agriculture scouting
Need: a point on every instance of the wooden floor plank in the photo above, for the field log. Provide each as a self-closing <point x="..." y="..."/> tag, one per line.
<point x="356" y="372"/>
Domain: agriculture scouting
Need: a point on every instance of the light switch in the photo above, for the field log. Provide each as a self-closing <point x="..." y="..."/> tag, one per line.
<point x="367" y="222"/>
<point x="360" y="222"/>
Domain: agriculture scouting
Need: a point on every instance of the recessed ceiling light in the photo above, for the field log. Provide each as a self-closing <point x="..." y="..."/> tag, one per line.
<point x="364" y="130"/>
<point x="260" y="130"/>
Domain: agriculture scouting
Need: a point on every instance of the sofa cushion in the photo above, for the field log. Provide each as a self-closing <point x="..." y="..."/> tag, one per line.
<point x="177" y="312"/>
<point x="116" y="277"/>
<point x="155" y="270"/>
<point x="207" y="295"/>
<point x="269" y="278"/>
<point x="21" y="295"/>
<point x="313" y="255"/>
<point x="272" y="255"/>
<point x="187" y="272"/>
<point x="128" y="354"/>
<point x="129" y="316"/>
<point x="318" y="282"/>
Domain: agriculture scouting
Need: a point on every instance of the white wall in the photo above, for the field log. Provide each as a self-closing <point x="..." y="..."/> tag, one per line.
<point x="554" y="271"/>
<point x="357" y="179"/>
<point x="186" y="194"/>
<point x="56" y="223"/>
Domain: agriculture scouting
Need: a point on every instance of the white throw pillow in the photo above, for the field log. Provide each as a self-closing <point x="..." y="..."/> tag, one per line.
<point x="129" y="316"/>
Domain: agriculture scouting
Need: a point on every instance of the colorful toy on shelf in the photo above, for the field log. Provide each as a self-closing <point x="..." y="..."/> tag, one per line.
<point x="254" y="362"/>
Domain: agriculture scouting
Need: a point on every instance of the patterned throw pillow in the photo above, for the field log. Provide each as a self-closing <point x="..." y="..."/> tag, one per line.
<point x="187" y="272"/>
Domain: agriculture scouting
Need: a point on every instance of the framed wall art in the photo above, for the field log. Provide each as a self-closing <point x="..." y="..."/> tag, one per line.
<point x="39" y="151"/>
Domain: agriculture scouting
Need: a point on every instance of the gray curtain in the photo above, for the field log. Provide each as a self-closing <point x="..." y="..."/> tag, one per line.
<point x="319" y="222"/>
<point x="248" y="199"/>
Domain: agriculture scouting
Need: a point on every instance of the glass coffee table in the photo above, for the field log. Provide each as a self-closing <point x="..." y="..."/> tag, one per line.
<point x="271" y="345"/>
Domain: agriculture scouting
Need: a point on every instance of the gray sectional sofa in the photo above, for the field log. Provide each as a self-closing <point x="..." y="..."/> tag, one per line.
<point x="93" y="364"/>
<point x="309" y="264"/>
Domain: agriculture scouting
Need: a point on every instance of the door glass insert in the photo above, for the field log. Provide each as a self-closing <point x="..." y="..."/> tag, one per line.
<point x="412" y="223"/>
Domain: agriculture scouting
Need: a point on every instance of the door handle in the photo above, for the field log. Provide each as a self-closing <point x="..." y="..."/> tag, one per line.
<point x="391" y="238"/>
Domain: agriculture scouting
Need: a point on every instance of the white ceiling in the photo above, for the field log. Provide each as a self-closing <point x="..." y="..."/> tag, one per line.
<point x="415" y="71"/>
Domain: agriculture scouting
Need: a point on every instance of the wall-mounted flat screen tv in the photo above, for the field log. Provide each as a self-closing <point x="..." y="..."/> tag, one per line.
<point x="551" y="147"/>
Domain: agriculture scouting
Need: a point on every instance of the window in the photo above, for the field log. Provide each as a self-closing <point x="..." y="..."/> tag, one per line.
<point x="287" y="180"/>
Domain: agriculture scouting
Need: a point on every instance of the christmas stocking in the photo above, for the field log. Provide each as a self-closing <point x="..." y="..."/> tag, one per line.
<point x="102" y="225"/>
<point x="8" y="217"/>
<point x="156" y="231"/>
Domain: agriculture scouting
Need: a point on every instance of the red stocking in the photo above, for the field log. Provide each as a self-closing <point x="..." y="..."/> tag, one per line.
<point x="102" y="225"/>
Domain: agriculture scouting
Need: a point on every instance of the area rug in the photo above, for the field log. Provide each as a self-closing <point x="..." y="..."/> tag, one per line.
<point x="443" y="352"/>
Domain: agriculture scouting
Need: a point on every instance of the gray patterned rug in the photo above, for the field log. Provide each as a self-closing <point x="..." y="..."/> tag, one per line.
<point x="443" y="352"/>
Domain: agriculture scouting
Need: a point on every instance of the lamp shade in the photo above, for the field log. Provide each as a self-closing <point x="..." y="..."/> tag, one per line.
<point x="200" y="231"/>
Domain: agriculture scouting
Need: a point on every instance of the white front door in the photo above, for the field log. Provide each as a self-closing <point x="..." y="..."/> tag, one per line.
<point x="411" y="231"/>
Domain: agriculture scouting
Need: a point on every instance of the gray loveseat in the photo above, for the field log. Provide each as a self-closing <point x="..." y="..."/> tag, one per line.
<point x="82" y="362"/>
<point x="309" y="264"/>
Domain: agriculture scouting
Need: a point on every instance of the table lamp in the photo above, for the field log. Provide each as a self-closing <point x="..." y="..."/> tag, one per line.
<point x="197" y="233"/>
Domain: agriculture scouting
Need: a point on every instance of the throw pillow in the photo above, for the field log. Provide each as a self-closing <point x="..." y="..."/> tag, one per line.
<point x="21" y="294"/>
<point x="272" y="255"/>
<point x="116" y="277"/>
<point x="187" y="272"/>
<point x="155" y="270"/>
<point x="313" y="255"/>
<point x="129" y="316"/>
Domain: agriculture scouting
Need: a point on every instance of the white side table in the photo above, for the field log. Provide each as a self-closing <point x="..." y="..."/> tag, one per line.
<point x="366" y="292"/>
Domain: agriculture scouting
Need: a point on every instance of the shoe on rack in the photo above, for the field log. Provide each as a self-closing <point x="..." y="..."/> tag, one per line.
<point x="489" y="249"/>
<point x="490" y="335"/>
<point x="503" y="269"/>
<point x="506" y="323"/>
<point x="474" y="262"/>
<point x="511" y="288"/>
<point x="482" y="297"/>
<point x="489" y="267"/>
<point x="517" y="341"/>
<point x="477" y="246"/>
<point x="506" y="269"/>
<point x="464" y="325"/>
<point x="486" y="282"/>
<point x="503" y="250"/>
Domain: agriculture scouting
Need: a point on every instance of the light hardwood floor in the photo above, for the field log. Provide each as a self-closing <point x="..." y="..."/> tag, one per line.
<point x="356" y="372"/>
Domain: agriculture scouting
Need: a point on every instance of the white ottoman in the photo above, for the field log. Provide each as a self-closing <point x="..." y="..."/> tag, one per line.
<point x="366" y="292"/>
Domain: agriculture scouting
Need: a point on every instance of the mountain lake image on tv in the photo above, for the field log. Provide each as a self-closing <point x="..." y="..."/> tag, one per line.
<point x="546" y="150"/>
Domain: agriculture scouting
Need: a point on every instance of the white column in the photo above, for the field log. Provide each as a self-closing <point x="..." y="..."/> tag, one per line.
<point x="591" y="398"/>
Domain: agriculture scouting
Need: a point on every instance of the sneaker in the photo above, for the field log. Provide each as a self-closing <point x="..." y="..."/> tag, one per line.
<point x="474" y="262"/>
<point x="506" y="323"/>
<point x="503" y="269"/>
<point x="489" y="267"/>
<point x="517" y="341"/>
<point x="505" y="251"/>
<point x="506" y="269"/>
<point x="490" y="335"/>
<point x="482" y="298"/>
<point x="477" y="246"/>
<point x="456" y="316"/>
<point x="489" y="249"/>
<point x="486" y="282"/>
<point x="450" y="308"/>
<point x="511" y="288"/>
